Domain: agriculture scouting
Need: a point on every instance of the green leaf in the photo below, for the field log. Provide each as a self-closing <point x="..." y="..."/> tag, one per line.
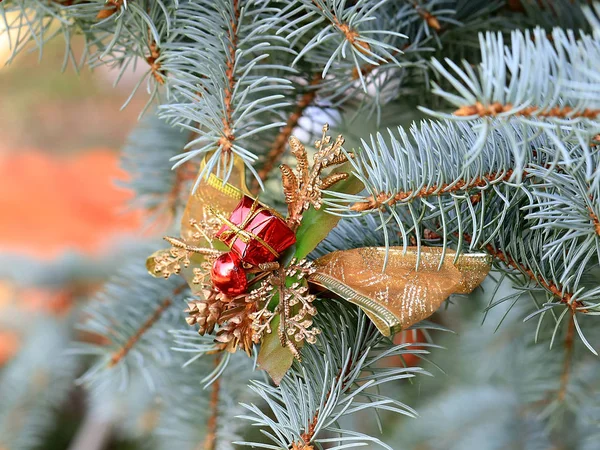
<point x="272" y="357"/>
<point x="316" y="224"/>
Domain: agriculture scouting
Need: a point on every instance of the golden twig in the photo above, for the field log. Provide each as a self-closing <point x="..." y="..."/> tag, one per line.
<point x="304" y="187"/>
<point x="295" y="299"/>
<point x="178" y="243"/>
<point x="169" y="262"/>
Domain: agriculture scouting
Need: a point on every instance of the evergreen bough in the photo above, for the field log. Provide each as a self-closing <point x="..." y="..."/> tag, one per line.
<point x="493" y="111"/>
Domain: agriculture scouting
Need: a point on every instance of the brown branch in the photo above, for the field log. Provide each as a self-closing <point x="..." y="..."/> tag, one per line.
<point x="351" y="34"/>
<point x="155" y="66"/>
<point x="389" y="199"/>
<point x="478" y="109"/>
<point x="548" y="285"/>
<point x="566" y="372"/>
<point x="307" y="436"/>
<point x="210" y="441"/>
<point x="122" y="352"/>
<point x="111" y="7"/>
<point x="595" y="221"/>
<point x="279" y="144"/>
<point x="551" y="287"/>
<point x="226" y="141"/>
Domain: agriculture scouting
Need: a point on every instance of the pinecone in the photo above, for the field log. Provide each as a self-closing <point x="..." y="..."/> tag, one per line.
<point x="205" y="313"/>
<point x="238" y="331"/>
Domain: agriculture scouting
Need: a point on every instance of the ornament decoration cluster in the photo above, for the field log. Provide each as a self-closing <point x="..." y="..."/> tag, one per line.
<point x="237" y="259"/>
<point x="243" y="262"/>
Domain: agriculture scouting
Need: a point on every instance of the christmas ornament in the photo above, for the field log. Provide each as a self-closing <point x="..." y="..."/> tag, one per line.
<point x="228" y="275"/>
<point x="255" y="233"/>
<point x="231" y="248"/>
<point x="205" y="313"/>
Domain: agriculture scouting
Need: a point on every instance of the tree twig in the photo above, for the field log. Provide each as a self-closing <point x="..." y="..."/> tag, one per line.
<point x="309" y="433"/>
<point x="226" y="140"/>
<point x="118" y="355"/>
<point x="389" y="199"/>
<point x="496" y="108"/>
<point x="557" y="291"/>
<point x="210" y="441"/>
<point x="279" y="144"/>
<point x="566" y="372"/>
<point x="351" y="34"/>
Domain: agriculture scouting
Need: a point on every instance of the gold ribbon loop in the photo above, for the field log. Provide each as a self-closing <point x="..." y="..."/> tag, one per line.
<point x="411" y="288"/>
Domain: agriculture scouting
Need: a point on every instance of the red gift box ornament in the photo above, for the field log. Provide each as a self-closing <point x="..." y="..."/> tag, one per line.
<point x="255" y="233"/>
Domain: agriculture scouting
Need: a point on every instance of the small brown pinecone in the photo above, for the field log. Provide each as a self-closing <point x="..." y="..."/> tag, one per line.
<point x="205" y="313"/>
<point x="237" y="331"/>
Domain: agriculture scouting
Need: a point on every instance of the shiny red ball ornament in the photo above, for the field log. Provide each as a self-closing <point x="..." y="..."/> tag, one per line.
<point x="228" y="275"/>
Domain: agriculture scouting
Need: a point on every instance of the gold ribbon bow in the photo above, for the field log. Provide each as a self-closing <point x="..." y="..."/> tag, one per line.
<point x="412" y="286"/>
<point x="212" y="197"/>
<point x="408" y="288"/>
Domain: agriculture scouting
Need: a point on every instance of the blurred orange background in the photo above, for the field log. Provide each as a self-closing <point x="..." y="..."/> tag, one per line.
<point x="60" y="137"/>
<point x="59" y="142"/>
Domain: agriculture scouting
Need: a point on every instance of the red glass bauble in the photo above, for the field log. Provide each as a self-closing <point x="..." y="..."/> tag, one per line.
<point x="228" y="275"/>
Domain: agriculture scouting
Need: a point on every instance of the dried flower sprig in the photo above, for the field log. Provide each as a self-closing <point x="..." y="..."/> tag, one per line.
<point x="304" y="186"/>
<point x="298" y="327"/>
<point x="261" y="319"/>
<point x="205" y="230"/>
<point x="171" y="261"/>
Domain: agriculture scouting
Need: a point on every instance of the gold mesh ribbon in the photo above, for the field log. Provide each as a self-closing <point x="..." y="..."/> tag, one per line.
<point x="410" y="289"/>
<point x="213" y="196"/>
